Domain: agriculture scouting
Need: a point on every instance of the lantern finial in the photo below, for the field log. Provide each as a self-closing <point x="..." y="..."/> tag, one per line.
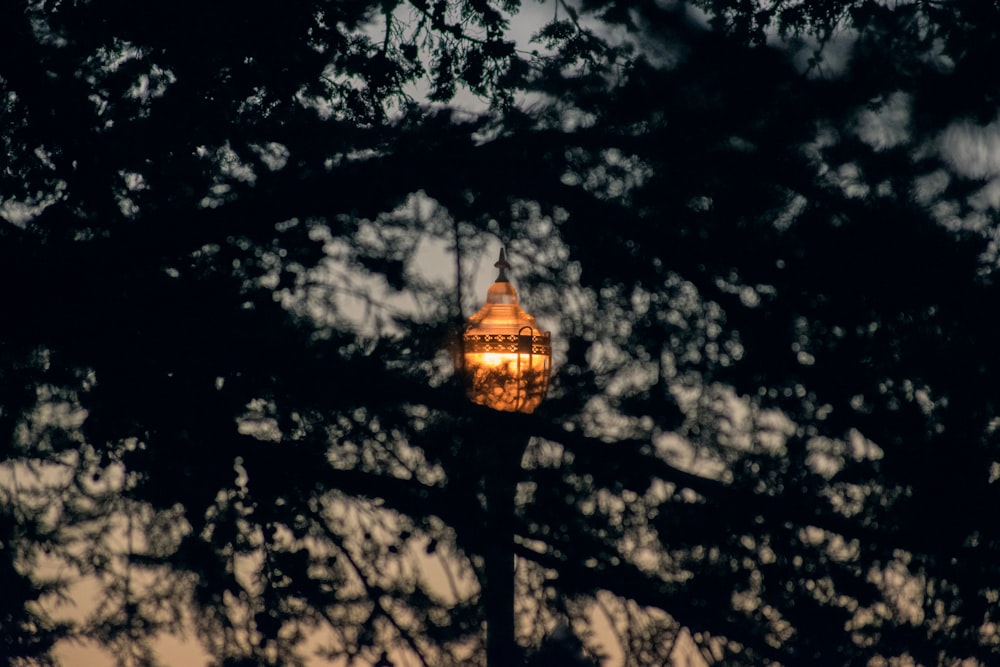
<point x="503" y="266"/>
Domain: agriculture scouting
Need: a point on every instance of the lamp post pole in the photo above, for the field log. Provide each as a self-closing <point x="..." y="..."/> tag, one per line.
<point x="506" y="362"/>
<point x="500" y="486"/>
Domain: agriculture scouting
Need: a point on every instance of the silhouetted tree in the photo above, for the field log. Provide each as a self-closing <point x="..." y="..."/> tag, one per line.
<point x="763" y="234"/>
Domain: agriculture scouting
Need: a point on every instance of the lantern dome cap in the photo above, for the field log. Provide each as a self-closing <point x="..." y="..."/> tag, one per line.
<point x="501" y="312"/>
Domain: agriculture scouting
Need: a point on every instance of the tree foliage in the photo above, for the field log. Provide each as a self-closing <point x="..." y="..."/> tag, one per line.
<point x="237" y="241"/>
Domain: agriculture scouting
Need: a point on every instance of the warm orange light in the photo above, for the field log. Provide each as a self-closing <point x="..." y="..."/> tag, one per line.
<point x="507" y="358"/>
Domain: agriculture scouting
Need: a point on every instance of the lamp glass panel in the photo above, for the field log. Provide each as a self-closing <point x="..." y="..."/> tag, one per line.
<point x="507" y="358"/>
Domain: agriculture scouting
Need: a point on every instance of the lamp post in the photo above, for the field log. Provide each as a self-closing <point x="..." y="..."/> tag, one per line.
<point x="506" y="359"/>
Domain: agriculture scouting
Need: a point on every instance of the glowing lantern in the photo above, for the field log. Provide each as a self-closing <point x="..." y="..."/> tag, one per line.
<point x="507" y="358"/>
